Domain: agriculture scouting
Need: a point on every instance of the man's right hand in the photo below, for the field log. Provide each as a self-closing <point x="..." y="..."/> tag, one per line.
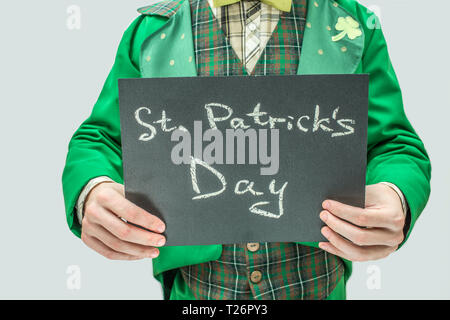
<point x="104" y="231"/>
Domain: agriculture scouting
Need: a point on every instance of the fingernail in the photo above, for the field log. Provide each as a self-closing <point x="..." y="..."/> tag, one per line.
<point x="326" y="204"/>
<point x="161" y="242"/>
<point x="154" y="254"/>
<point x="325" y="232"/>
<point x="160" y="228"/>
<point x="324" y="216"/>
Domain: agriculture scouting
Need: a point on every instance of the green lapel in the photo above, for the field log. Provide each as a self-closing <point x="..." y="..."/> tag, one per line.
<point x="169" y="51"/>
<point x="333" y="41"/>
<point x="326" y="49"/>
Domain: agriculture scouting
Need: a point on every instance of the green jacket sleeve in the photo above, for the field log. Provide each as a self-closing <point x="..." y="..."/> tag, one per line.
<point x="95" y="147"/>
<point x="395" y="152"/>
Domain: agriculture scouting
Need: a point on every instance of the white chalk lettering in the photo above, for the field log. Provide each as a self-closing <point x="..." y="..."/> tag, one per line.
<point x="145" y="136"/>
<point x="193" y="170"/>
<point x="248" y="188"/>
<point x="255" y="207"/>
<point x="210" y="113"/>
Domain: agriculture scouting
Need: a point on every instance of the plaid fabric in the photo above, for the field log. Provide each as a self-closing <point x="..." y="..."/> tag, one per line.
<point x="269" y="270"/>
<point x="215" y="55"/>
<point x="289" y="271"/>
<point x="164" y="8"/>
<point x="248" y="25"/>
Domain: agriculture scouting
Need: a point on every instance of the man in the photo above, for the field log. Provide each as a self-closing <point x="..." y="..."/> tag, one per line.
<point x="217" y="38"/>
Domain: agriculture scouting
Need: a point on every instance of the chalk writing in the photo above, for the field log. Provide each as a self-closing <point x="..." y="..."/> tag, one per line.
<point x="238" y="131"/>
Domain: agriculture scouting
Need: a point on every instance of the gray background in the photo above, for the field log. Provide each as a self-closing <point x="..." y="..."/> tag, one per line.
<point x="50" y="79"/>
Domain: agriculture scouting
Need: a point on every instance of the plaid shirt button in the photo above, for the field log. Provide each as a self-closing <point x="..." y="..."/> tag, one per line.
<point x="256" y="276"/>
<point x="253" y="246"/>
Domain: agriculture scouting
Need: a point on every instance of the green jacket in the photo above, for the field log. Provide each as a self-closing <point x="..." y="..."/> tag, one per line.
<point x="394" y="151"/>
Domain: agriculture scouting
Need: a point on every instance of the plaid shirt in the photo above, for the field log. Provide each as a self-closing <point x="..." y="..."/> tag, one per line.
<point x="256" y="270"/>
<point x="248" y="25"/>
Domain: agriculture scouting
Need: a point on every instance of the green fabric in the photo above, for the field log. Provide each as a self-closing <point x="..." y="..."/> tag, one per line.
<point x="395" y="152"/>
<point x="339" y="292"/>
<point x="180" y="291"/>
<point x="284" y="5"/>
<point x="94" y="149"/>
<point x="321" y="28"/>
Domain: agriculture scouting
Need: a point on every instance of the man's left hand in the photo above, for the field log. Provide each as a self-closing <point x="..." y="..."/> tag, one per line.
<point x="371" y="233"/>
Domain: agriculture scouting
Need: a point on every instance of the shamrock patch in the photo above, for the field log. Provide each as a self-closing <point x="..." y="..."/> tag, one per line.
<point x="349" y="27"/>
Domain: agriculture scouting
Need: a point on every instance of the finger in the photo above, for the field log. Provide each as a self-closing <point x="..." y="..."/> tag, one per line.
<point x="125" y="231"/>
<point x="120" y="206"/>
<point x="350" y="251"/>
<point x="123" y="246"/>
<point x="358" y="216"/>
<point x="328" y="247"/>
<point x="102" y="249"/>
<point x="357" y="235"/>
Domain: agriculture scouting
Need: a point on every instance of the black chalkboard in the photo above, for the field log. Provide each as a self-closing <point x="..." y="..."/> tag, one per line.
<point x="321" y="122"/>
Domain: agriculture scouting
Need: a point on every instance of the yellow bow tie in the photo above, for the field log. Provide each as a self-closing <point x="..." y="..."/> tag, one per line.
<point x="283" y="5"/>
